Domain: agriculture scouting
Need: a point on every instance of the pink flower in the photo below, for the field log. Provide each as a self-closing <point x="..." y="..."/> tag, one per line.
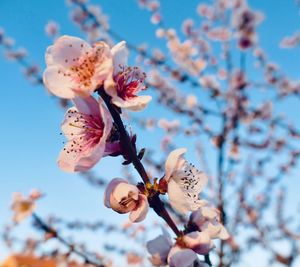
<point x="184" y="182"/>
<point x="123" y="197"/>
<point x="208" y="220"/>
<point x="87" y="127"/>
<point x="200" y="242"/>
<point x="184" y="257"/>
<point x="52" y="28"/>
<point x="181" y="254"/>
<point x="126" y="82"/>
<point x="74" y="68"/>
<point x="159" y="249"/>
<point x="23" y="206"/>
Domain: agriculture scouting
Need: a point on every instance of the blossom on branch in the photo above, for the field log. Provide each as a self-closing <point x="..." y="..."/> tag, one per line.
<point x="184" y="182"/>
<point x="159" y="249"/>
<point x="126" y="82"/>
<point x="123" y="197"/>
<point x="74" y="68"/>
<point x="207" y="220"/>
<point x="181" y="254"/>
<point x="87" y="127"/>
<point x="23" y="207"/>
<point x="184" y="257"/>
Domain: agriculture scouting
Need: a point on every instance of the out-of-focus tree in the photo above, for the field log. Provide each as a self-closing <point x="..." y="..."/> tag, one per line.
<point x="224" y="95"/>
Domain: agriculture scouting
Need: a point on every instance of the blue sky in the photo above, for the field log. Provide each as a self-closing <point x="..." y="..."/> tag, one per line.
<point x="30" y="120"/>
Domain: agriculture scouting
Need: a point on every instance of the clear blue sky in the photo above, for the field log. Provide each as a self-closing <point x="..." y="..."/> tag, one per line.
<point x="30" y="140"/>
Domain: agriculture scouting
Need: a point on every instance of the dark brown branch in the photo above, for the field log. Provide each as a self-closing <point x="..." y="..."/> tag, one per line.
<point x="154" y="201"/>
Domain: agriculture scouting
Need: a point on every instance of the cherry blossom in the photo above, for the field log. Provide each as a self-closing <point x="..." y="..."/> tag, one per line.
<point x="184" y="182"/>
<point x="184" y="257"/>
<point x="23" y="207"/>
<point x="87" y="126"/>
<point x="183" y="253"/>
<point x="123" y="197"/>
<point x="200" y="242"/>
<point x="74" y="68"/>
<point x="207" y="219"/>
<point x="126" y="82"/>
<point x="159" y="249"/>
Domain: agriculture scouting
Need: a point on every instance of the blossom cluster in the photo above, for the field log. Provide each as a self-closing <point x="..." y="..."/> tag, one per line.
<point x="75" y="70"/>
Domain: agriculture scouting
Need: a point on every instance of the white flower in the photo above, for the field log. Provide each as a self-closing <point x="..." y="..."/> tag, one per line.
<point x="126" y="82"/>
<point x="23" y="206"/>
<point x="208" y="220"/>
<point x="184" y="182"/>
<point x="74" y="68"/>
<point x="159" y="249"/>
<point x="184" y="257"/>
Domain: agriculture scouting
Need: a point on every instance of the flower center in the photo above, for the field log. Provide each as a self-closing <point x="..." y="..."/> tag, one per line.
<point x="91" y="131"/>
<point x="84" y="67"/>
<point x="128" y="202"/>
<point x="24" y="206"/>
<point x="129" y="81"/>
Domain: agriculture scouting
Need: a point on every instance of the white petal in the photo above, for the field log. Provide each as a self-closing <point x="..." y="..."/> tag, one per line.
<point x="68" y="126"/>
<point x="66" y="50"/>
<point x="223" y="234"/>
<point x="109" y="189"/>
<point x="135" y="104"/>
<point x="122" y="191"/>
<point x="48" y="55"/>
<point x="161" y="246"/>
<point x="104" y="64"/>
<point x="120" y="56"/>
<point x="59" y="84"/>
<point x="177" y="198"/>
<point x="174" y="161"/>
<point x="182" y="257"/>
<point x="87" y="105"/>
<point x="141" y="210"/>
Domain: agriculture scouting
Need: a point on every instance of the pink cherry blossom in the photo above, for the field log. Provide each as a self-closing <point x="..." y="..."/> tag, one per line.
<point x="126" y="82"/>
<point x="87" y="127"/>
<point x="184" y="182"/>
<point x="208" y="220"/>
<point x="123" y="197"/>
<point x="200" y="242"/>
<point x="22" y="207"/>
<point x="74" y="68"/>
<point x="184" y="257"/>
<point x="159" y="249"/>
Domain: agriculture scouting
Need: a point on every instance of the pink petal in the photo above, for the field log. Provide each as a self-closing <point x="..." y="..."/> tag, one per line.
<point x="122" y="190"/>
<point x="107" y="120"/>
<point x="200" y="242"/>
<point x="177" y="198"/>
<point x="179" y="257"/>
<point x="120" y="56"/>
<point x="75" y="162"/>
<point x="66" y="49"/>
<point x="82" y="161"/>
<point x="224" y="235"/>
<point x="161" y="246"/>
<point x="87" y="105"/>
<point x="48" y="56"/>
<point x="68" y="130"/>
<point x="110" y="188"/>
<point x="104" y="64"/>
<point x="141" y="210"/>
<point x="174" y="162"/>
<point x="134" y="104"/>
<point x="59" y="84"/>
